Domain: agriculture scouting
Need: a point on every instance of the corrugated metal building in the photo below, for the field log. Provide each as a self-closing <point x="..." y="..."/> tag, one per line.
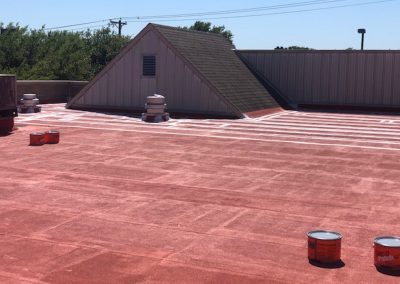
<point x="197" y="72"/>
<point x="330" y="77"/>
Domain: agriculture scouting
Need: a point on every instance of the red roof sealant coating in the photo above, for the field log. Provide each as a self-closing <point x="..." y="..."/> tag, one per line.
<point x="195" y="201"/>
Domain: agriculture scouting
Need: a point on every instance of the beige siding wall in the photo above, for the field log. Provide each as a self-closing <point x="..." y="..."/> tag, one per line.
<point x="353" y="78"/>
<point x="124" y="87"/>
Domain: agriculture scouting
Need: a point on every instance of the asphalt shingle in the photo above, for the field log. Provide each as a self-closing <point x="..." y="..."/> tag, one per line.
<point x="214" y="57"/>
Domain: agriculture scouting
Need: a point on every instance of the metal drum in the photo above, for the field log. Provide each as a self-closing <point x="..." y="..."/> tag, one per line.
<point x="387" y="253"/>
<point x="324" y="246"/>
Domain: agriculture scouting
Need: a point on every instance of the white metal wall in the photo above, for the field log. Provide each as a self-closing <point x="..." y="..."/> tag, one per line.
<point x="353" y="78"/>
<point x="123" y="86"/>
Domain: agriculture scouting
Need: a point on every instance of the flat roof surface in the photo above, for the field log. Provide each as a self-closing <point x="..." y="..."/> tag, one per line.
<point x="196" y="201"/>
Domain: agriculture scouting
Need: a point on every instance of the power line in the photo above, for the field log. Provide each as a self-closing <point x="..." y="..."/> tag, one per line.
<point x="204" y="15"/>
<point x="75" y="25"/>
<point x="273" y="7"/>
<point x="89" y="27"/>
<point x="282" y="6"/>
<point x="274" y="13"/>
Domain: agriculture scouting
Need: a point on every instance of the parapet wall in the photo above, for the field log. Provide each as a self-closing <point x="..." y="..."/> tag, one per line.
<point x="50" y="91"/>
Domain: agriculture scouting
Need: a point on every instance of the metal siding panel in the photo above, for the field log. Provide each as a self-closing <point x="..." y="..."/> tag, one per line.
<point x="378" y="78"/>
<point x="276" y="63"/>
<point x="316" y="78"/>
<point x="334" y="78"/>
<point x="118" y="95"/>
<point x="300" y="94"/>
<point x="170" y="61"/>
<point x="351" y="79"/>
<point x="162" y="70"/>
<point x="137" y="75"/>
<point x="387" y="79"/>
<point x="325" y="75"/>
<point x="292" y="74"/>
<point x="283" y="74"/>
<point x="260" y="63"/>
<point x="188" y="87"/>
<point x="342" y="88"/>
<point x="126" y="82"/>
<point x="103" y="90"/>
<point x="396" y="81"/>
<point x="360" y="93"/>
<point x="111" y="87"/>
<point x="195" y="94"/>
<point x="179" y="74"/>
<point x="204" y="99"/>
<point x="369" y="78"/>
<point x="308" y="73"/>
<point x="267" y="65"/>
<point x="364" y="78"/>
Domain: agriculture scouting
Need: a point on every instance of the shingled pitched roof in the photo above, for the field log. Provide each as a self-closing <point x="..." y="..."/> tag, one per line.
<point x="213" y="56"/>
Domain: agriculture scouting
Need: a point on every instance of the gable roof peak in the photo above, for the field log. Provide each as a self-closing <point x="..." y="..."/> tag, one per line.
<point x="187" y="30"/>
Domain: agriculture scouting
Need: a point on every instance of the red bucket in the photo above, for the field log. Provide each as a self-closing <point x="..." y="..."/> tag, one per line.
<point x="52" y="137"/>
<point x="37" y="139"/>
<point x="324" y="246"/>
<point x="387" y="253"/>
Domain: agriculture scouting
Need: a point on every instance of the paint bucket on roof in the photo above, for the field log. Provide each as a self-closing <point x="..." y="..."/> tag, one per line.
<point x="52" y="137"/>
<point x="324" y="246"/>
<point x="37" y="139"/>
<point x="387" y="253"/>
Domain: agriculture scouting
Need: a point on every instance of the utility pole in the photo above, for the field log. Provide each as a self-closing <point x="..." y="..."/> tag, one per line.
<point x="362" y="32"/>
<point x="120" y="25"/>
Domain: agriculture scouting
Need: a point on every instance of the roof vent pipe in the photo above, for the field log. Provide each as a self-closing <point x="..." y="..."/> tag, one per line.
<point x="155" y="109"/>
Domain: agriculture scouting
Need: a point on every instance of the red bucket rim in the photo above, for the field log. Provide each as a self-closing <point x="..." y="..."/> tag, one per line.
<point x="337" y="236"/>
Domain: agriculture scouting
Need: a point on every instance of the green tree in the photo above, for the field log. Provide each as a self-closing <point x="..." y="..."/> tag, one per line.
<point x="66" y="58"/>
<point x="104" y="45"/>
<point x="207" y="27"/>
<point x="59" y="55"/>
<point x="294" y="47"/>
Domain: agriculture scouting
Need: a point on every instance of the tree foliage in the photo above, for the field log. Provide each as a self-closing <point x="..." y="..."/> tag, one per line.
<point x="294" y="47"/>
<point x="207" y="27"/>
<point x="56" y="55"/>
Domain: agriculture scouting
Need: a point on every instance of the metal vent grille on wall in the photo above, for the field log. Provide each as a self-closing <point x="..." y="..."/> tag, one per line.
<point x="149" y="65"/>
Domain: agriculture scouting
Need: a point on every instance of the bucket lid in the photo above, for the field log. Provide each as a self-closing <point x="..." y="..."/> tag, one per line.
<point x="324" y="235"/>
<point x="37" y="133"/>
<point x="388" y="241"/>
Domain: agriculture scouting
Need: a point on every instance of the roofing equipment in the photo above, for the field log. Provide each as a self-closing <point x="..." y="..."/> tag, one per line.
<point x="324" y="246"/>
<point x="8" y="103"/>
<point x="37" y="139"/>
<point x="155" y="109"/>
<point x="197" y="72"/>
<point x="29" y="104"/>
<point x="52" y="137"/>
<point x="387" y="253"/>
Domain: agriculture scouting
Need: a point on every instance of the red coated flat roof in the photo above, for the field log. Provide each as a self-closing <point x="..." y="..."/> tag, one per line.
<point x="196" y="201"/>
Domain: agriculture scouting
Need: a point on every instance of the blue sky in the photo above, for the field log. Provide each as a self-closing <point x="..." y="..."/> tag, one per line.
<point x="322" y="29"/>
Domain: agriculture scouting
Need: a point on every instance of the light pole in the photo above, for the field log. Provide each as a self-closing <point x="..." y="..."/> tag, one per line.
<point x="362" y="32"/>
